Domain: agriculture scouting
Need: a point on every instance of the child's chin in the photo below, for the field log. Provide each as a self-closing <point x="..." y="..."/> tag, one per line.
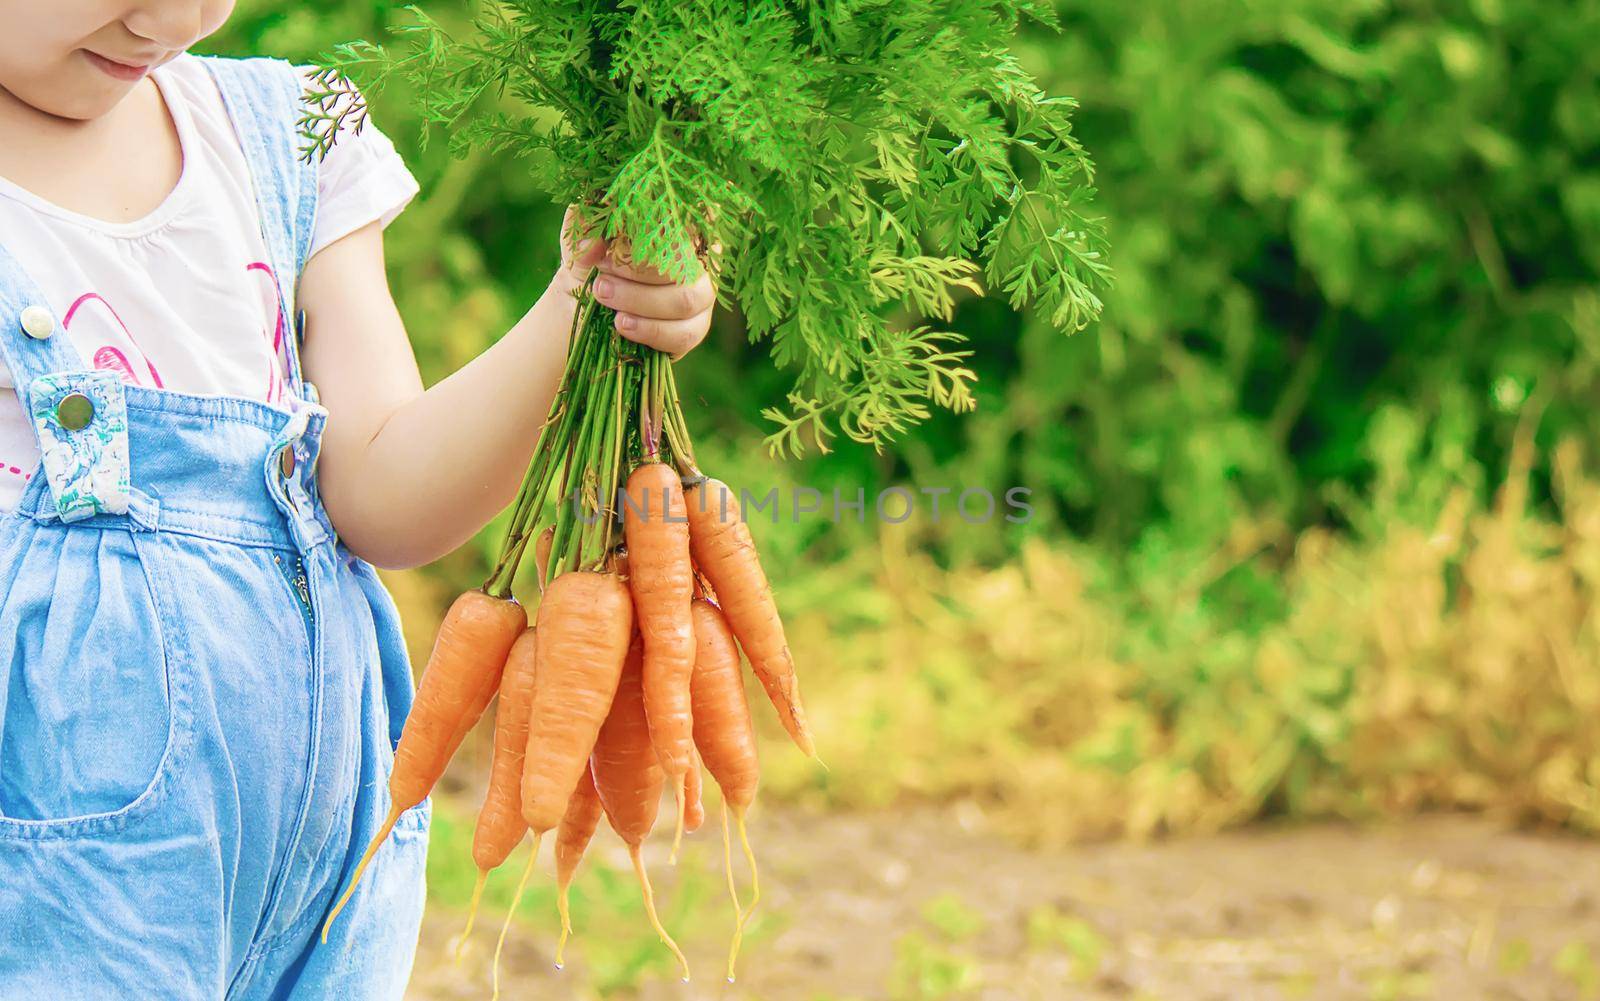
<point x="90" y="96"/>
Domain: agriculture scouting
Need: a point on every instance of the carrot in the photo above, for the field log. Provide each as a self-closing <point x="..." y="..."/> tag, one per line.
<point x="723" y="732"/>
<point x="469" y="654"/>
<point x="662" y="583"/>
<point x="500" y="824"/>
<point x="572" y="840"/>
<point x="723" y="550"/>
<point x="695" y="815"/>
<point x="505" y="775"/>
<point x="584" y="625"/>
<point x="691" y="809"/>
<point x="628" y="779"/>
<point x="727" y="744"/>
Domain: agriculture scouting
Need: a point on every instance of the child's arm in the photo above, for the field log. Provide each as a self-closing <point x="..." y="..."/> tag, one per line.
<point x="407" y="475"/>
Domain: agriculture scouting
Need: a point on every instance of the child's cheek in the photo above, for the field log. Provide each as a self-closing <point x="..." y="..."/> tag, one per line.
<point x="215" y="15"/>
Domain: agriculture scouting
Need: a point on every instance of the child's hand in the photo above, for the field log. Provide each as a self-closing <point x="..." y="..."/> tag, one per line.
<point x="651" y="308"/>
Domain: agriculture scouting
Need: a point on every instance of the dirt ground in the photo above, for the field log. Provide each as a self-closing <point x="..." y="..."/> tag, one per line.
<point x="919" y="906"/>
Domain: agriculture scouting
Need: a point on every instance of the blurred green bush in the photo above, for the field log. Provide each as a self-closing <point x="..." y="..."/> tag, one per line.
<point x="1312" y="529"/>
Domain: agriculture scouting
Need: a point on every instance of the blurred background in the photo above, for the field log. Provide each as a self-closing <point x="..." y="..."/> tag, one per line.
<point x="1289" y="686"/>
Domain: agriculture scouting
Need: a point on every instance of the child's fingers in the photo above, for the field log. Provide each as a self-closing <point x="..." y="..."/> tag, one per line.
<point x="671" y="337"/>
<point x="624" y="268"/>
<point x="585" y="257"/>
<point x="619" y="261"/>
<point x="574" y="233"/>
<point x="659" y="302"/>
<point x="581" y="249"/>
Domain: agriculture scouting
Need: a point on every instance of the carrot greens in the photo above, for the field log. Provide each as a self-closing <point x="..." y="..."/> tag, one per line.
<point x="858" y="162"/>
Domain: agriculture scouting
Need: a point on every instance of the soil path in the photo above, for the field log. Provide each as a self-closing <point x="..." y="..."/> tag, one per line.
<point x="914" y="906"/>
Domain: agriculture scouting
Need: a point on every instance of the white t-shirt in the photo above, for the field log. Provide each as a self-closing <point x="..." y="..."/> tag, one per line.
<point x="182" y="299"/>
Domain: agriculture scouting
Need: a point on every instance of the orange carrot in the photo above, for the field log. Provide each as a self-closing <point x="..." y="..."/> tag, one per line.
<point x="723" y="732"/>
<point x="629" y="780"/>
<point x="723" y="550"/>
<point x="500" y="824"/>
<point x="662" y="584"/>
<point x="510" y="748"/>
<point x="584" y="625"/>
<point x="727" y="744"/>
<point x="695" y="814"/>
<point x="469" y="654"/>
<point x="572" y="840"/>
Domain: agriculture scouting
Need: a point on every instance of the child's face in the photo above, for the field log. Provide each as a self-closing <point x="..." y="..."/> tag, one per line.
<point x="62" y="57"/>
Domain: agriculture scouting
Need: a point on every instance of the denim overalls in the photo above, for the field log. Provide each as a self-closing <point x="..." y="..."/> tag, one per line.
<point x="200" y="688"/>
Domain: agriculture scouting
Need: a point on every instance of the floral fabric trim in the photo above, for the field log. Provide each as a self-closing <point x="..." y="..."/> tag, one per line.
<point x="87" y="469"/>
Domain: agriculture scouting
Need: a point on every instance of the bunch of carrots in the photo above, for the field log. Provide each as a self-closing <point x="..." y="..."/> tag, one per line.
<point x="629" y="679"/>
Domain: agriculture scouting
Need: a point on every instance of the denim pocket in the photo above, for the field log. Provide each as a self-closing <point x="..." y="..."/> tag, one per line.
<point x="86" y="694"/>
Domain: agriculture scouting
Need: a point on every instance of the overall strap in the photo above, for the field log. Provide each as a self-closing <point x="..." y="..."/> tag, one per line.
<point x="78" y="415"/>
<point x="32" y="342"/>
<point x="264" y="101"/>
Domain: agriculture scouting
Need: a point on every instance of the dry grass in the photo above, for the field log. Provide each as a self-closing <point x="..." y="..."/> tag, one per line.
<point x="1449" y="663"/>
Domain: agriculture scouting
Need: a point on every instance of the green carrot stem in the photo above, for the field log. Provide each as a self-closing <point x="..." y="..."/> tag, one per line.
<point x="616" y="400"/>
<point x="553" y="442"/>
<point x="576" y="461"/>
<point x="586" y="459"/>
<point x="556" y="452"/>
<point x="611" y="469"/>
<point x="576" y="346"/>
<point x="677" y="429"/>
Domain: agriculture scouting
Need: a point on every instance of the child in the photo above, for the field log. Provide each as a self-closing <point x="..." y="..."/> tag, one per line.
<point x="201" y="678"/>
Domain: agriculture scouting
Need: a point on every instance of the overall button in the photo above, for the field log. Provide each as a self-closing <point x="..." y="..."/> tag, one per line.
<point x="38" y="323"/>
<point x="75" y="411"/>
<point x="286" y="461"/>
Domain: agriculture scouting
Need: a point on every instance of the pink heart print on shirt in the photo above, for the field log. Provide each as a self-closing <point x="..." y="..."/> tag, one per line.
<point x="108" y="357"/>
<point x="280" y="359"/>
<point x="112" y="360"/>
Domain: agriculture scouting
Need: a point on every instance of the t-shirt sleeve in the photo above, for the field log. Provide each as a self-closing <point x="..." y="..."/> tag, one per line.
<point x="361" y="180"/>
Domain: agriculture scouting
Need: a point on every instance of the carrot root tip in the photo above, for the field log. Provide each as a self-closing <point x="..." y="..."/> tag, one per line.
<point x="650" y="911"/>
<point x="522" y="884"/>
<point x="733" y="892"/>
<point x="472" y="915"/>
<point x="565" y="909"/>
<point x="361" y="867"/>
<point x="755" y="891"/>
<point x="683" y="807"/>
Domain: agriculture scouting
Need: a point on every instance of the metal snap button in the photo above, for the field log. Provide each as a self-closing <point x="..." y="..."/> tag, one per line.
<point x="38" y="322"/>
<point x="75" y="411"/>
<point x="286" y="461"/>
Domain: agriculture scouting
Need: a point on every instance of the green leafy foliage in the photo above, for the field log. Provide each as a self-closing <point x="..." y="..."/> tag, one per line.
<point x="846" y="163"/>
